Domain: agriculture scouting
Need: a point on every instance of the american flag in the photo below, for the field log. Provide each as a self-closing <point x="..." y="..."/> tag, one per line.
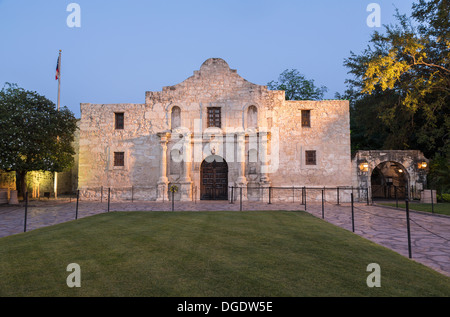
<point x="57" y="69"/>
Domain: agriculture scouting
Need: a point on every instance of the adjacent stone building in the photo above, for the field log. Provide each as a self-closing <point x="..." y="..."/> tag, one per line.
<point x="391" y="174"/>
<point x="213" y="131"/>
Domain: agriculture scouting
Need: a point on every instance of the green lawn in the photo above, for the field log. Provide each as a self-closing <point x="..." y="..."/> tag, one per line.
<point x="440" y="208"/>
<point x="220" y="254"/>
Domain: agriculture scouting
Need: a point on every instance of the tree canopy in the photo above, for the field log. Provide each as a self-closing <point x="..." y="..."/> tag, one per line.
<point x="400" y="90"/>
<point x="34" y="135"/>
<point x="297" y="87"/>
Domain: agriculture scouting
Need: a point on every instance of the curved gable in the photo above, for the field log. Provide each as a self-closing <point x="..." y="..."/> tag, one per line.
<point x="214" y="81"/>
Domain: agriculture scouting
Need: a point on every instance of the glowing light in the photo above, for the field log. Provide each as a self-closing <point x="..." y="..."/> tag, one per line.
<point x="364" y="167"/>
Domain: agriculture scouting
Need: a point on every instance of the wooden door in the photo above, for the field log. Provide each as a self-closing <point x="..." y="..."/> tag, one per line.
<point x="214" y="180"/>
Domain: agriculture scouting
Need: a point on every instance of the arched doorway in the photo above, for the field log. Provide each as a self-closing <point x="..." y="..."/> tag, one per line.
<point x="214" y="179"/>
<point x="389" y="180"/>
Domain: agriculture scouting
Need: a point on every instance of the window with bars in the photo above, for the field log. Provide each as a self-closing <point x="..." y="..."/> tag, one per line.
<point x="119" y="120"/>
<point x="306" y="118"/>
<point x="310" y="157"/>
<point x="119" y="159"/>
<point x="214" y="117"/>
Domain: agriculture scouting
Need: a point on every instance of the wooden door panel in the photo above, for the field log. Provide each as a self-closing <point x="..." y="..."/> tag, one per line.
<point x="214" y="176"/>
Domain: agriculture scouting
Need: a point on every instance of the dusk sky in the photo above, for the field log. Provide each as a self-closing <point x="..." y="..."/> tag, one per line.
<point x="124" y="48"/>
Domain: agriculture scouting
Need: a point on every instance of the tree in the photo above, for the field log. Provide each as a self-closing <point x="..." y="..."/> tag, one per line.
<point x="403" y="79"/>
<point x="34" y="135"/>
<point x="297" y="87"/>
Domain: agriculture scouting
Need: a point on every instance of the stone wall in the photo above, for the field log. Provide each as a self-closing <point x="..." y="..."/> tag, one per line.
<point x="261" y="139"/>
<point x="410" y="162"/>
<point x="7" y="181"/>
<point x="329" y="136"/>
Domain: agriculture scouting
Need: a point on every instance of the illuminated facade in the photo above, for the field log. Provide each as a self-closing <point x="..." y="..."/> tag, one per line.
<point x="213" y="131"/>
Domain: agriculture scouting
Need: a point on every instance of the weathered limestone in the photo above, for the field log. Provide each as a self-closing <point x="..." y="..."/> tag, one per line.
<point x="3" y="196"/>
<point x="428" y="196"/>
<point x="163" y="180"/>
<point x="13" y="198"/>
<point x="260" y="136"/>
<point x="407" y="170"/>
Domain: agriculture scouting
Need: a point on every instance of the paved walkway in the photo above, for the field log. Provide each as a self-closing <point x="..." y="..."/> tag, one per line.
<point x="430" y="234"/>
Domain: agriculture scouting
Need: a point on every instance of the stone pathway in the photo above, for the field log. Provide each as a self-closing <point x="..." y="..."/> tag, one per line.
<point x="430" y="234"/>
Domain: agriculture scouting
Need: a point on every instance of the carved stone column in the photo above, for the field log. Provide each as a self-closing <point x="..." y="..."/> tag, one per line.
<point x="163" y="180"/>
<point x="240" y="154"/>
<point x="241" y="157"/>
<point x="264" y="137"/>
<point x="186" y="181"/>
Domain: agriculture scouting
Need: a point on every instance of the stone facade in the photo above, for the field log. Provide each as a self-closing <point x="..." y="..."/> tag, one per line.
<point x="391" y="173"/>
<point x="265" y="140"/>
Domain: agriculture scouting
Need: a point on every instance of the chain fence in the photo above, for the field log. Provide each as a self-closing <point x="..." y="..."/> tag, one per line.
<point x="346" y="205"/>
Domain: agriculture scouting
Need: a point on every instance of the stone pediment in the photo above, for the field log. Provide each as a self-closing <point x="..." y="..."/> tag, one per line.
<point x="215" y="79"/>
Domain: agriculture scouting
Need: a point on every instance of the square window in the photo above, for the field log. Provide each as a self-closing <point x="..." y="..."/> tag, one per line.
<point x="306" y="118"/>
<point x="119" y="159"/>
<point x="214" y="117"/>
<point x="310" y="157"/>
<point x="119" y="120"/>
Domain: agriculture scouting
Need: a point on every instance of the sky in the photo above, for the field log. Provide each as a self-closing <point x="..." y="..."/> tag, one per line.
<point x="123" y="48"/>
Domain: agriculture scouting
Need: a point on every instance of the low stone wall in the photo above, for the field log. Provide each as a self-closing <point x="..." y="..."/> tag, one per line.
<point x="120" y="194"/>
<point x="426" y="196"/>
<point x="4" y="195"/>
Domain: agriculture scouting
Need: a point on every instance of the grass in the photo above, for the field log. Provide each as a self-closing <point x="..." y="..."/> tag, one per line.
<point x="440" y="208"/>
<point x="208" y="254"/>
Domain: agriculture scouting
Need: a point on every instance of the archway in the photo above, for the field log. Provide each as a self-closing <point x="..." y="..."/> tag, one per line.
<point x="214" y="179"/>
<point x="389" y="180"/>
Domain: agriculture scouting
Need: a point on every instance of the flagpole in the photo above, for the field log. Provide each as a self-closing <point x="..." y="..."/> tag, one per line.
<point x="59" y="78"/>
<point x="59" y="99"/>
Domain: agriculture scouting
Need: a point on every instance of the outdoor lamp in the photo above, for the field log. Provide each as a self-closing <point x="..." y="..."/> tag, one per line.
<point x="364" y="167"/>
<point x="423" y="165"/>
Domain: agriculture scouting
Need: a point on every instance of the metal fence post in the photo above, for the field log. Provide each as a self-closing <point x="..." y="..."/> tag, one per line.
<point x="367" y="190"/>
<point x="101" y="194"/>
<point x="396" y="197"/>
<point x="76" y="210"/>
<point x="231" y="194"/>
<point x="338" y="195"/>
<point x="26" y="212"/>
<point x="432" y="203"/>
<point x="408" y="229"/>
<point x="240" y="208"/>
<point x="353" y="215"/>
<point x="132" y="193"/>
<point x="109" y="197"/>
<point x="323" y="215"/>
<point x="305" y="197"/>
<point x="270" y="195"/>
<point x="173" y="200"/>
